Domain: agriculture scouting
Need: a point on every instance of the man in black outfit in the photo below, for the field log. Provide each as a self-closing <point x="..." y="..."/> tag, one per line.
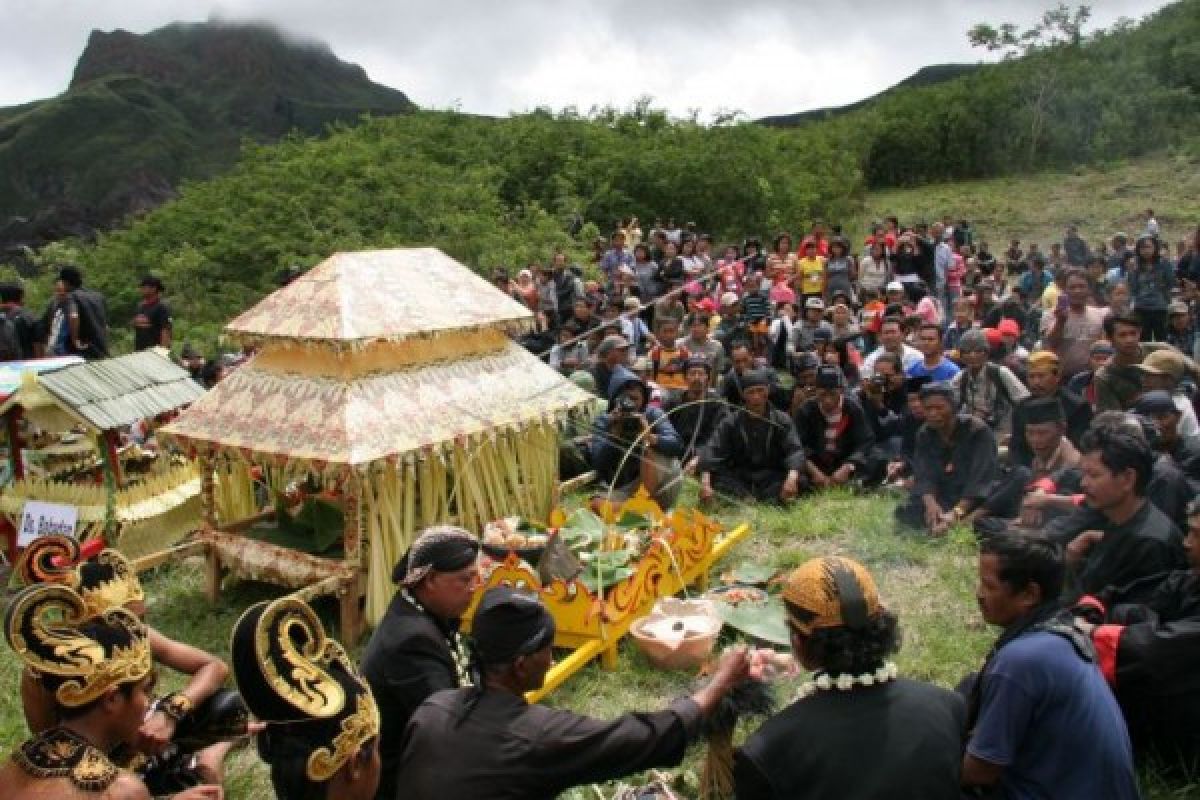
<point x="954" y="464"/>
<point x="838" y="442"/>
<point x="1044" y="378"/>
<point x="152" y="325"/>
<point x="1131" y="538"/>
<point x="417" y="649"/>
<point x="912" y="733"/>
<point x="754" y="451"/>
<point x="22" y="336"/>
<point x="1147" y="639"/>
<point x="488" y="743"/>
<point x="695" y="411"/>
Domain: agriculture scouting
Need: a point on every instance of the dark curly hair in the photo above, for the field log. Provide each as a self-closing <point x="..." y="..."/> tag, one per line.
<point x="286" y="749"/>
<point x="845" y="651"/>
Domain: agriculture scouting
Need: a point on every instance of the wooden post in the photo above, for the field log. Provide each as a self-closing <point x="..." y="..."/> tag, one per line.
<point x="351" y="593"/>
<point x="212" y="575"/>
<point x="114" y="461"/>
<point x="208" y="481"/>
<point x="11" y="420"/>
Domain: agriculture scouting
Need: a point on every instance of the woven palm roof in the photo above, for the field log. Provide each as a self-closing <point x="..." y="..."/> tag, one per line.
<point x="112" y="393"/>
<point x="263" y="413"/>
<point x="351" y="299"/>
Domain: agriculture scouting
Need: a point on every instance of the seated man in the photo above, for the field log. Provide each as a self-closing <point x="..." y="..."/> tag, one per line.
<point x="417" y="648"/>
<point x="838" y="442"/>
<point x="184" y="739"/>
<point x="1147" y="638"/>
<point x="755" y="451"/>
<point x="814" y="748"/>
<point x="99" y="673"/>
<point x="695" y="411"/>
<point x="791" y="389"/>
<point x="986" y="390"/>
<point x="1054" y="469"/>
<point x="488" y="742"/>
<point x="1042" y="721"/>
<point x="1045" y="380"/>
<point x="321" y="737"/>
<point x="884" y="401"/>
<point x="1159" y="407"/>
<point x="954" y="465"/>
<point x="634" y="445"/>
<point x="1167" y="370"/>
<point x="1131" y="538"/>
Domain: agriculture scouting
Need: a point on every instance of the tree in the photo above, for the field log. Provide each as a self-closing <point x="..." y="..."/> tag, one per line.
<point x="1043" y="47"/>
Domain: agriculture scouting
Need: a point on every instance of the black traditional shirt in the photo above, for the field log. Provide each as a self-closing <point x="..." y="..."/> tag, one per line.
<point x="495" y="746"/>
<point x="963" y="467"/>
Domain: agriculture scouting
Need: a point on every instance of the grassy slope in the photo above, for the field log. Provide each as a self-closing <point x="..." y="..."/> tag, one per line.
<point x="1101" y="200"/>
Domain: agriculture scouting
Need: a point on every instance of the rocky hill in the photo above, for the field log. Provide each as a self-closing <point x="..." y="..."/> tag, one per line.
<point x="145" y="112"/>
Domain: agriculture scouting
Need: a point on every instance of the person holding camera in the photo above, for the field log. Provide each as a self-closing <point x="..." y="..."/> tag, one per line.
<point x="634" y="445"/>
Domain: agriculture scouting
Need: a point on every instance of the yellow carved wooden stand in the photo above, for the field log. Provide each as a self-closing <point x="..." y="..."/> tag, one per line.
<point x="592" y="625"/>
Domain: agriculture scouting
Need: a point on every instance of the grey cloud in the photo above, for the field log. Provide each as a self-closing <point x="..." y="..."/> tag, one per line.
<point x="762" y="56"/>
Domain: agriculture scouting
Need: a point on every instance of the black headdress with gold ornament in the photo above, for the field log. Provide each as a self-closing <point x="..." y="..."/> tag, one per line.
<point x="105" y="581"/>
<point x="303" y="685"/>
<point x="76" y="655"/>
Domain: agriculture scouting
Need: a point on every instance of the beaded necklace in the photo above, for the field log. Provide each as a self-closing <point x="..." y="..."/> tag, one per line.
<point x="458" y="646"/>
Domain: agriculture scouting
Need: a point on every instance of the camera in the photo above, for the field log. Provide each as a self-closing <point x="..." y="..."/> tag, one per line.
<point x="627" y="405"/>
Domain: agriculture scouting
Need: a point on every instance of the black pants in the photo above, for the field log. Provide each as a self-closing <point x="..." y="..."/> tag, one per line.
<point x="763" y="485"/>
<point x="1154" y="325"/>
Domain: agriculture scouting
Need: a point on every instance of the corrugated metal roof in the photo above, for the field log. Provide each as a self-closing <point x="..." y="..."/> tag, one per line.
<point x="120" y="391"/>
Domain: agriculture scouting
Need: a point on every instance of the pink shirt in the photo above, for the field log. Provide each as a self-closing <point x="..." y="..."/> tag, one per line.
<point x="781" y="293"/>
<point x="954" y="275"/>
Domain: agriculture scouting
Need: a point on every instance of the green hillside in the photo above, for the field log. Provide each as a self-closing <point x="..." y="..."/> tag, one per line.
<point x="1115" y="93"/>
<point x="143" y="113"/>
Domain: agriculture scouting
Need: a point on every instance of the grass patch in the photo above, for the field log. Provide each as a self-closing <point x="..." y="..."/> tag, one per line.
<point x="928" y="583"/>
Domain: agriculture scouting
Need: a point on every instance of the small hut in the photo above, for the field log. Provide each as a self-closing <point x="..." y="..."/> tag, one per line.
<point x="385" y="384"/>
<point x="64" y="433"/>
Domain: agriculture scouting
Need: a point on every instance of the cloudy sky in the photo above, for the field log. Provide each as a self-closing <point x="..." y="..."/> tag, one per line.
<point x="496" y="56"/>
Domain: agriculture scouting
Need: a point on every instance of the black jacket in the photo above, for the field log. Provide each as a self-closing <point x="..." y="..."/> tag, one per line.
<point x="853" y="446"/>
<point x="407" y="659"/>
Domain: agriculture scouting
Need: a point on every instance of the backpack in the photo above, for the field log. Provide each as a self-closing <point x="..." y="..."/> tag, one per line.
<point x="10" y="345"/>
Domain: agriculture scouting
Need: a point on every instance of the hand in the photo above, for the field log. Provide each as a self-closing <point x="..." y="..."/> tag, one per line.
<point x="819" y="479"/>
<point x="844" y="473"/>
<point x="690" y="467"/>
<point x="1081" y="544"/>
<point x="155" y="733"/>
<point x="894" y="470"/>
<point x="933" y="514"/>
<point x="208" y="792"/>
<point x="1036" y="501"/>
<point x="706" y="489"/>
<point x="732" y="668"/>
<point x="791" y="487"/>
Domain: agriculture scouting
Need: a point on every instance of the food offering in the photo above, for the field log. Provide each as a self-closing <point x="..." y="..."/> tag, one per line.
<point x="748" y="602"/>
<point x="599" y="574"/>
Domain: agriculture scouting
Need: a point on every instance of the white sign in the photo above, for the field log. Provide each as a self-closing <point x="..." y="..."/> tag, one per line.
<point x="41" y="519"/>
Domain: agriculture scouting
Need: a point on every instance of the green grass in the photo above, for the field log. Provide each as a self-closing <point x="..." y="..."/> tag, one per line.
<point x="1037" y="208"/>
<point x="929" y="584"/>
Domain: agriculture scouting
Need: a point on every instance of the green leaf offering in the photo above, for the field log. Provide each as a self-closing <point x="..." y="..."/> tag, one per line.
<point x="761" y="621"/>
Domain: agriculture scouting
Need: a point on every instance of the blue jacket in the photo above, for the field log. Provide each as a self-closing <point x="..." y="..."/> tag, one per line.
<point x="608" y="446"/>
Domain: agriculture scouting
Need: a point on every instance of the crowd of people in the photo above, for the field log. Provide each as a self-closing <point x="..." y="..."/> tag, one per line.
<point x="1044" y="401"/>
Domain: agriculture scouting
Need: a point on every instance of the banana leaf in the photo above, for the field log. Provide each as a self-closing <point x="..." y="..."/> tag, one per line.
<point x="608" y="577"/>
<point x="632" y="521"/>
<point x="751" y="574"/>
<point x="761" y="621"/>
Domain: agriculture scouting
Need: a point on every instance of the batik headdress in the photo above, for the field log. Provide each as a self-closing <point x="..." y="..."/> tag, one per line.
<point x="830" y="592"/>
<point x="302" y="684"/>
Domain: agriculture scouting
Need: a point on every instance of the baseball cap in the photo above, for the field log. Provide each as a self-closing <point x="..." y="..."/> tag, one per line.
<point x="815" y="302"/>
<point x="610" y="343"/>
<point x="1009" y="327"/>
<point x="894" y="286"/>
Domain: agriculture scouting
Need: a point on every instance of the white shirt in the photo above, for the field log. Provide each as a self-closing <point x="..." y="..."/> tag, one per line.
<point x="910" y="357"/>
